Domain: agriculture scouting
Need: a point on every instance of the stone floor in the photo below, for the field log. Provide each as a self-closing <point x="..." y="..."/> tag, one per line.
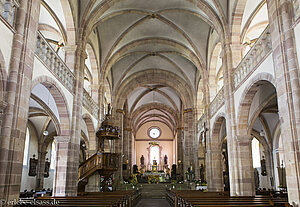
<point x="153" y="203"/>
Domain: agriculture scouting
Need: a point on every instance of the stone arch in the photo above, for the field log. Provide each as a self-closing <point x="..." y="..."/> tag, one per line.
<point x="258" y="111"/>
<point x="246" y="100"/>
<point x="60" y="100"/>
<point x="94" y="63"/>
<point x="70" y="30"/>
<point x="216" y="130"/>
<point x="151" y="76"/>
<point x="237" y="16"/>
<point x="91" y="133"/>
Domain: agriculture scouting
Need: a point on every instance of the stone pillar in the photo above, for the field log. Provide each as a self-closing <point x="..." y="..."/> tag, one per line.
<point x="70" y="54"/>
<point x="127" y="146"/>
<point x="118" y="144"/>
<point x="79" y="55"/>
<point x="288" y="90"/>
<point x="269" y="167"/>
<point x="61" y="184"/>
<point x="245" y="167"/>
<point x="214" y="174"/>
<point x="3" y="105"/>
<point x="39" y="183"/>
<point x="17" y="98"/>
<point x="230" y="116"/>
<point x="180" y="151"/>
<point x="190" y="153"/>
<point x="93" y="184"/>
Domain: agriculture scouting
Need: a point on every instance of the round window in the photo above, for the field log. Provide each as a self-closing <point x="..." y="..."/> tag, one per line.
<point x="154" y="132"/>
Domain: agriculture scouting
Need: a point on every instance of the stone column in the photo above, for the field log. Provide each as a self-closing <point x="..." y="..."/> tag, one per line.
<point x="230" y="118"/>
<point x="180" y="151"/>
<point x="245" y="167"/>
<point x="39" y="183"/>
<point x="214" y="174"/>
<point x="189" y="140"/>
<point x="79" y="55"/>
<point x="127" y="146"/>
<point x="61" y="183"/>
<point x="93" y="184"/>
<point x="17" y="98"/>
<point x="70" y="54"/>
<point x="3" y="105"/>
<point x="288" y="90"/>
<point x="118" y="144"/>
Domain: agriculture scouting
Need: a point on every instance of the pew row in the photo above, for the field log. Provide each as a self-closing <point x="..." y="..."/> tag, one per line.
<point x="96" y="199"/>
<point x="191" y="198"/>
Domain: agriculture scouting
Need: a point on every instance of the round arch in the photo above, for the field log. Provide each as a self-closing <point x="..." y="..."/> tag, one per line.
<point x="91" y="132"/>
<point x="246" y="100"/>
<point x="60" y="100"/>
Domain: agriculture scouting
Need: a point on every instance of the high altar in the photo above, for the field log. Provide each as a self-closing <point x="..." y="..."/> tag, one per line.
<point x="155" y="175"/>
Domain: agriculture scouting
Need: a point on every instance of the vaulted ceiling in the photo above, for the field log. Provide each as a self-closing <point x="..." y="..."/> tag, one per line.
<point x="137" y="37"/>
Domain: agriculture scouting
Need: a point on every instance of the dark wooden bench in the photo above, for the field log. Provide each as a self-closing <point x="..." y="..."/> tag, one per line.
<point x="108" y="199"/>
<point x="190" y="198"/>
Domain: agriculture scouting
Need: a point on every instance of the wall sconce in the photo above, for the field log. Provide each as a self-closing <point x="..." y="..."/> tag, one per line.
<point x="262" y="133"/>
<point x="45" y="133"/>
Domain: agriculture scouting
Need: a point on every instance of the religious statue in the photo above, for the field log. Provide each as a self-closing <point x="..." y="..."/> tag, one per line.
<point x="166" y="160"/>
<point x="101" y="145"/>
<point x="108" y="108"/>
<point x="263" y="166"/>
<point x="142" y="160"/>
<point x="203" y="134"/>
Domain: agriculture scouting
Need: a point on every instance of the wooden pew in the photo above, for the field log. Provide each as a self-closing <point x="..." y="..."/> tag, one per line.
<point x="100" y="199"/>
<point x="187" y="198"/>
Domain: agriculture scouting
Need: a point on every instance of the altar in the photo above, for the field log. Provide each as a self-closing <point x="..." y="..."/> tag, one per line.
<point x="155" y="174"/>
<point x="155" y="177"/>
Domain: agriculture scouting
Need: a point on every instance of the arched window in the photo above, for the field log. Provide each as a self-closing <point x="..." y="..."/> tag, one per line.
<point x="26" y="148"/>
<point x="53" y="155"/>
<point x="255" y="153"/>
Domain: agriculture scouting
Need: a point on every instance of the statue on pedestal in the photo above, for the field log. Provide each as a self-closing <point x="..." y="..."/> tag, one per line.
<point x="166" y="160"/>
<point x="263" y="166"/>
<point x="142" y="160"/>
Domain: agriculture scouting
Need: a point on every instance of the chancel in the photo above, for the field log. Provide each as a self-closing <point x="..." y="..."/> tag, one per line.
<point x="150" y="102"/>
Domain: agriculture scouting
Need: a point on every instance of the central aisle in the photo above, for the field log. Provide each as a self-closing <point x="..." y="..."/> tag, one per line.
<point x="153" y="203"/>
